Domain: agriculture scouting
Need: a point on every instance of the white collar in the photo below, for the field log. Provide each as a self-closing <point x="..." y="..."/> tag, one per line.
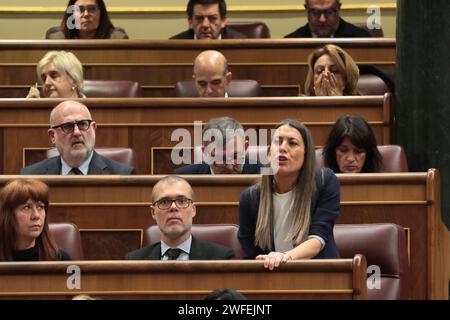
<point x="185" y="246"/>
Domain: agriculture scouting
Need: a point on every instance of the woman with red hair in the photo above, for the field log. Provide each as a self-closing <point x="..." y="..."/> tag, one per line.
<point x="24" y="231"/>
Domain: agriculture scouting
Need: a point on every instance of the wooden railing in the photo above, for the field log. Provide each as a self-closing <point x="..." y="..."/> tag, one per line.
<point x="113" y="211"/>
<point x="158" y="64"/>
<point x="146" y="124"/>
<point x="320" y="279"/>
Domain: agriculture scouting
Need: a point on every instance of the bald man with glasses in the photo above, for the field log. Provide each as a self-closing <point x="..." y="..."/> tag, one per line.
<point x="173" y="209"/>
<point x="72" y="131"/>
<point x="324" y="22"/>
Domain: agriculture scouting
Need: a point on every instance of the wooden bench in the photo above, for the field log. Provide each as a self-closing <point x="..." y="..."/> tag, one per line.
<point x="321" y="279"/>
<point x="279" y="65"/>
<point x="146" y="124"/>
<point x="113" y="211"/>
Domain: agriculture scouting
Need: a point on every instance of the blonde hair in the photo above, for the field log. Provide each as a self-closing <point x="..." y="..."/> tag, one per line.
<point x="64" y="61"/>
<point x="299" y="217"/>
<point x="343" y="60"/>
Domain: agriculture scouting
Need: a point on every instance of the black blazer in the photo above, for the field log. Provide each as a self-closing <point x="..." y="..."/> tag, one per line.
<point x="98" y="165"/>
<point x="200" y="250"/>
<point x="203" y="168"/>
<point x="325" y="208"/>
<point x="227" y="33"/>
<point x="345" y="30"/>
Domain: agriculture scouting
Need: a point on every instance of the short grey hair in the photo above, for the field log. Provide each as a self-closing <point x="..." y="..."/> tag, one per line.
<point x="225" y="67"/>
<point x="224" y="127"/>
<point x="169" y="180"/>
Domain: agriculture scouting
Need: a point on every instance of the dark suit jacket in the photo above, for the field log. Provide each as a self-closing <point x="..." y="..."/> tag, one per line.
<point x="227" y="33"/>
<point x="345" y="30"/>
<point x="98" y="165"/>
<point x="203" y="168"/>
<point x="324" y="211"/>
<point x="200" y="250"/>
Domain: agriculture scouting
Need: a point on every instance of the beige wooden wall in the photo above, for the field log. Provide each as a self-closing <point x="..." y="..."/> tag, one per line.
<point x="159" y="19"/>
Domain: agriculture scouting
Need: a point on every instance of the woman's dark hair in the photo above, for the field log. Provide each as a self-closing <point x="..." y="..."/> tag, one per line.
<point x="225" y="294"/>
<point x="14" y="194"/>
<point x="360" y="135"/>
<point x="222" y="6"/>
<point x="105" y="26"/>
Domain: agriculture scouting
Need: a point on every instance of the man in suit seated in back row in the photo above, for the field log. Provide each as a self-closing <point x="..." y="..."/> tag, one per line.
<point x="72" y="131"/>
<point x="173" y="209"/>
<point x="324" y="22"/>
<point x="224" y="149"/>
<point x="207" y="20"/>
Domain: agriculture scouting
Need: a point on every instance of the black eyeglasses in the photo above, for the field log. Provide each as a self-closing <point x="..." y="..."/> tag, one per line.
<point x="68" y="127"/>
<point x="90" y="9"/>
<point x="181" y="203"/>
<point x="318" y="13"/>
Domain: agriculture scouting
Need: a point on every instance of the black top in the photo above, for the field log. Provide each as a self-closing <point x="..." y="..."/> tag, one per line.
<point x="32" y="254"/>
<point x="227" y="33"/>
<point x="345" y="30"/>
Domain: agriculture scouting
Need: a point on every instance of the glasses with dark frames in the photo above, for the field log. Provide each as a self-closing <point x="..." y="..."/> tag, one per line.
<point x="165" y="203"/>
<point x="69" y="127"/>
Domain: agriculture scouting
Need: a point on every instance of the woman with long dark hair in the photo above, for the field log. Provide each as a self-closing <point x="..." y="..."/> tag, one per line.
<point x="86" y="19"/>
<point x="290" y="213"/>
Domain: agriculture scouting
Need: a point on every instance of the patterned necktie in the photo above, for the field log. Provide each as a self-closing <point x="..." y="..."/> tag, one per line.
<point x="173" y="253"/>
<point x="75" y="171"/>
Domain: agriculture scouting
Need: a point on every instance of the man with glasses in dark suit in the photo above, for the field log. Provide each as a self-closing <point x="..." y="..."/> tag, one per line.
<point x="173" y="209"/>
<point x="72" y="131"/>
<point x="324" y="22"/>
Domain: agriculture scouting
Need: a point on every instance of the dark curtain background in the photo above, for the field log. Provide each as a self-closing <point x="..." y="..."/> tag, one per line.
<point x="422" y="106"/>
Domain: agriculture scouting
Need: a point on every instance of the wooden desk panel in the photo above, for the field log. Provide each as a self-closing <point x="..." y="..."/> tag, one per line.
<point x="119" y="205"/>
<point x="320" y="279"/>
<point x="164" y="62"/>
<point x="145" y="123"/>
<point x="21" y="91"/>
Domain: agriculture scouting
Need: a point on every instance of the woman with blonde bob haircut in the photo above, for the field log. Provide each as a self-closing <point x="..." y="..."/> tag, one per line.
<point x="290" y="213"/>
<point x="24" y="231"/>
<point x="61" y="75"/>
<point x="331" y="72"/>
